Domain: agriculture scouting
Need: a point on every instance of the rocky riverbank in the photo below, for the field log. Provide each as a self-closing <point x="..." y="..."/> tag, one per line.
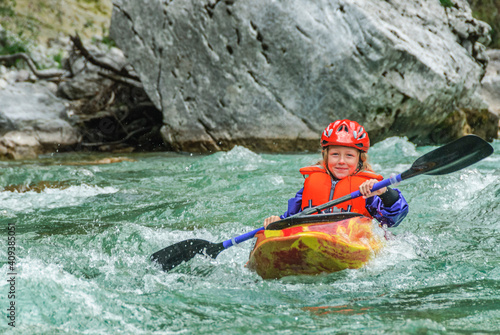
<point x="92" y="103"/>
<point x="265" y="76"/>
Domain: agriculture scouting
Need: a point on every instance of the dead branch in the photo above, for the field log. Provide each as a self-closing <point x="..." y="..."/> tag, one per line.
<point x="116" y="142"/>
<point x="77" y="42"/>
<point x="44" y="74"/>
<point x="123" y="80"/>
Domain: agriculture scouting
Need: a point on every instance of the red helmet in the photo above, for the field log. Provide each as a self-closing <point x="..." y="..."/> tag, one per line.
<point x="346" y="133"/>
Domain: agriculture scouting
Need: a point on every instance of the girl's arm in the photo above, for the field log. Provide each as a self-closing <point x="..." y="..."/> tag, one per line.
<point x="294" y="205"/>
<point x="389" y="208"/>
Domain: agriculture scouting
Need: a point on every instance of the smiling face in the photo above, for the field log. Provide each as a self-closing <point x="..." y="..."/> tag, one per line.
<point x="342" y="161"/>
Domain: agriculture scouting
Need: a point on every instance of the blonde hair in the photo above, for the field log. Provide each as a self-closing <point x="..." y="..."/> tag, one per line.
<point x="363" y="164"/>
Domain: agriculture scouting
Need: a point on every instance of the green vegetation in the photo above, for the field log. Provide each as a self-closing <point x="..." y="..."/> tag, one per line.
<point x="7" y="8"/>
<point x="39" y="21"/>
<point x="58" y="58"/>
<point x="106" y="40"/>
<point x="446" y="3"/>
<point x="25" y="27"/>
<point x="489" y="12"/>
<point x="9" y="46"/>
<point x="9" y="43"/>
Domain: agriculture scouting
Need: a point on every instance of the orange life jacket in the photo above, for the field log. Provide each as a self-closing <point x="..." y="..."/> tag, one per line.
<point x="320" y="188"/>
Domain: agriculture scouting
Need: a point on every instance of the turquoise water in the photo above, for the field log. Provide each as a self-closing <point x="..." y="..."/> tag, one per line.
<point x="82" y="249"/>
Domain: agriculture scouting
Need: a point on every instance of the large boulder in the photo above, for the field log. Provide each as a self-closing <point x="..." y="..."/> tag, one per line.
<point x="271" y="75"/>
<point x="490" y="85"/>
<point x="33" y="121"/>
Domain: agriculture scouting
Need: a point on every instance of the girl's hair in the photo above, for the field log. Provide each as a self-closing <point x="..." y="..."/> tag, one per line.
<point x="363" y="164"/>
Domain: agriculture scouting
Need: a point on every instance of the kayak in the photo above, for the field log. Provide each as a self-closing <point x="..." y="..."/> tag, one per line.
<point x="314" y="244"/>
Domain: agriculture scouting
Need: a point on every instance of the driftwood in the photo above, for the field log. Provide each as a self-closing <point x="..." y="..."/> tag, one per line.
<point x="123" y="72"/>
<point x="43" y="74"/>
<point x="119" y="116"/>
<point x="123" y="80"/>
<point x="98" y="144"/>
<point x="123" y="75"/>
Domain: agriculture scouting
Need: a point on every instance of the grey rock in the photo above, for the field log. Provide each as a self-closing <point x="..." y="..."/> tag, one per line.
<point x="271" y="75"/>
<point x="84" y="85"/>
<point x="490" y="85"/>
<point x="33" y="121"/>
<point x="491" y="81"/>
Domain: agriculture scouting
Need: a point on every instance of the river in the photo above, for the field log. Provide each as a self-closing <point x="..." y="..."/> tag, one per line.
<point x="81" y="260"/>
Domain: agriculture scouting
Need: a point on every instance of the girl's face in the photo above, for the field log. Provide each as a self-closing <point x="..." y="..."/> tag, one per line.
<point x="342" y="161"/>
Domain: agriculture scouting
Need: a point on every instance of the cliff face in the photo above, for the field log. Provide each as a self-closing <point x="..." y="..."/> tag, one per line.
<point x="271" y="75"/>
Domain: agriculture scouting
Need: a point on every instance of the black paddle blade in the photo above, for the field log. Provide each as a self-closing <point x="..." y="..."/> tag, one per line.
<point x="175" y="254"/>
<point x="305" y="219"/>
<point x="451" y="157"/>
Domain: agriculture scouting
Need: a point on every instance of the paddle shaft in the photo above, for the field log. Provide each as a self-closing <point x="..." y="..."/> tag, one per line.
<point x="241" y="238"/>
<point x="317" y="209"/>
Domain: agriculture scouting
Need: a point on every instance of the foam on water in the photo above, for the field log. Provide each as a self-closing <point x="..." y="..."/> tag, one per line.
<point x="469" y="183"/>
<point x="395" y="147"/>
<point x="238" y="158"/>
<point x="51" y="197"/>
<point x="84" y="267"/>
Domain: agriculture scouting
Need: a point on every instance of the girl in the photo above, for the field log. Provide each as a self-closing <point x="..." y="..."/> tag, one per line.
<point x="343" y="170"/>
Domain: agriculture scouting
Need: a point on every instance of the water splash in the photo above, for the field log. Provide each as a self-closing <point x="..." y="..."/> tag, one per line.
<point x="84" y="250"/>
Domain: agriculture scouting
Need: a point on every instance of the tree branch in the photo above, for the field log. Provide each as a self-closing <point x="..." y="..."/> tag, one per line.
<point x="45" y="74"/>
<point x="77" y="42"/>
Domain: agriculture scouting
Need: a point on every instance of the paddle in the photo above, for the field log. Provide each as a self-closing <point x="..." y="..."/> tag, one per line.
<point x="446" y="159"/>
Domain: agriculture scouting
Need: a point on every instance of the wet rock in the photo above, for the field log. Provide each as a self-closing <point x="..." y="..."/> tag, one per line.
<point x="490" y="88"/>
<point x="32" y="122"/>
<point x="271" y="75"/>
<point x="37" y="187"/>
<point x="467" y="121"/>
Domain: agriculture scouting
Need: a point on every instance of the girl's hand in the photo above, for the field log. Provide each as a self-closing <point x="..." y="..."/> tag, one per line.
<point x="365" y="188"/>
<point x="270" y="220"/>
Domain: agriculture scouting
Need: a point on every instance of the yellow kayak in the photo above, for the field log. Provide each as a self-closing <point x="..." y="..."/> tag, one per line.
<point x="339" y="241"/>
